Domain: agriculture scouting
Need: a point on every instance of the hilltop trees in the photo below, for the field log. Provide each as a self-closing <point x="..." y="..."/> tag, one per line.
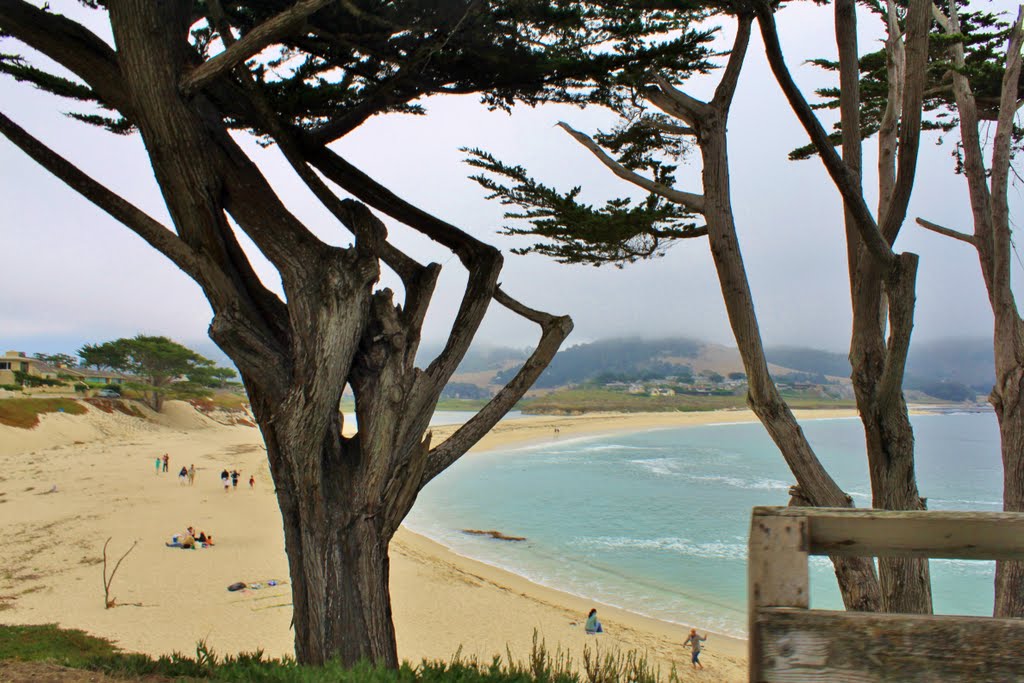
<point x="189" y="77"/>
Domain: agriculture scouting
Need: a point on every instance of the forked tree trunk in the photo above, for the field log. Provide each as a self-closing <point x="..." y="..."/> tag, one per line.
<point x="856" y="577"/>
<point x="888" y="435"/>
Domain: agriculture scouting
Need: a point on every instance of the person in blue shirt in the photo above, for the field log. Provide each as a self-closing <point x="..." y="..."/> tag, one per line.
<point x="593" y="625"/>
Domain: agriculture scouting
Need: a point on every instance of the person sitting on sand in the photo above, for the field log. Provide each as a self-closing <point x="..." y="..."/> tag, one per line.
<point x="593" y="625"/>
<point x="694" y="642"/>
<point x="203" y="538"/>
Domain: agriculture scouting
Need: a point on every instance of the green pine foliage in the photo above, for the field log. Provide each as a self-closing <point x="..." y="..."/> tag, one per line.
<point x="984" y="36"/>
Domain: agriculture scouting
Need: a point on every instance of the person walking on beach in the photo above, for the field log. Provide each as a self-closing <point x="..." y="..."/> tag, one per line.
<point x="252" y="481"/>
<point x="224" y="479"/>
<point x="166" y="460"/>
<point x="182" y="476"/>
<point x="191" y="475"/>
<point x="694" y="642"/>
<point x="234" y="478"/>
<point x="593" y="625"/>
<point x="158" y="463"/>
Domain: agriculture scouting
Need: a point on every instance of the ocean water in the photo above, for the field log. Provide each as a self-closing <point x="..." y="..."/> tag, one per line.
<point x="656" y="522"/>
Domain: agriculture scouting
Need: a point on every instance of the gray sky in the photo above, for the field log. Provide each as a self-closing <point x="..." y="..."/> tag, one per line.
<point x="80" y="276"/>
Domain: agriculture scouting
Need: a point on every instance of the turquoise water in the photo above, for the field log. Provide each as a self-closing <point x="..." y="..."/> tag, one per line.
<point x="656" y="522"/>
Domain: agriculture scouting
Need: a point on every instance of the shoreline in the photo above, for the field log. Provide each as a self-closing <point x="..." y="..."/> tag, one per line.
<point x="75" y="481"/>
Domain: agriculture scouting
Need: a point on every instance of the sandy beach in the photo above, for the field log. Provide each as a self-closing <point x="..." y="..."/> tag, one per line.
<point x="69" y="484"/>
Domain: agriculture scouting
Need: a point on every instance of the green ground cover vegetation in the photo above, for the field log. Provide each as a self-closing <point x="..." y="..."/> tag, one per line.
<point x="79" y="650"/>
<point x="25" y="412"/>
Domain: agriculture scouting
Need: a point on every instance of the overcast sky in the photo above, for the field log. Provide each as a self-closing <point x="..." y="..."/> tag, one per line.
<point x="71" y="274"/>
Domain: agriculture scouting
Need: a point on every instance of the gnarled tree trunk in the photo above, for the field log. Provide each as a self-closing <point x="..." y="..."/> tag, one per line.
<point x="341" y="498"/>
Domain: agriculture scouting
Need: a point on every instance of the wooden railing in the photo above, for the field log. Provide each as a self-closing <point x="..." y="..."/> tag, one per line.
<point x="791" y="643"/>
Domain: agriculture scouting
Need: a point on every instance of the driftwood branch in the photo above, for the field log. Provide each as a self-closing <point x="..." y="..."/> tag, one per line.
<point x="963" y="237"/>
<point x="693" y="202"/>
<point x="107" y="581"/>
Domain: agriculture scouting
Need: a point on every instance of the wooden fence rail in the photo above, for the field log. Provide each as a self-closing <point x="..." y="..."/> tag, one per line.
<point x="790" y="643"/>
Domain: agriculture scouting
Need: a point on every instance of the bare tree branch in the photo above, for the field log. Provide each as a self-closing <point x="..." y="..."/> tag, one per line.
<point x="675" y="102"/>
<point x="845" y="179"/>
<point x="928" y="225"/>
<point x="693" y="202"/>
<point x="250" y="44"/>
<point x="71" y="45"/>
<point x="727" y="86"/>
<point x="915" y="50"/>
<point x="1004" y="126"/>
<point x="149" y="229"/>
<point x="554" y="330"/>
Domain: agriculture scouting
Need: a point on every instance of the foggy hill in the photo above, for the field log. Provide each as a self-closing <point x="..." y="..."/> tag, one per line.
<point x="952" y="369"/>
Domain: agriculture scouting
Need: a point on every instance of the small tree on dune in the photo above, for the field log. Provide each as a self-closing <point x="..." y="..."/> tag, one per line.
<point x="184" y="75"/>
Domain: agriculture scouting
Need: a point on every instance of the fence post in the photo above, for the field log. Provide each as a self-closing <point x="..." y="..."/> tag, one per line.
<point x="776" y="573"/>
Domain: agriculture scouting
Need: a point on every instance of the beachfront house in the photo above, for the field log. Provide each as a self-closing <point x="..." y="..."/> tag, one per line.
<point x="19" y="362"/>
<point x="14" y="362"/>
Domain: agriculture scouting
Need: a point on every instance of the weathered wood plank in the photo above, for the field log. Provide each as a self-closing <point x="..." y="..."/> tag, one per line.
<point x="857" y="647"/>
<point x="776" y="568"/>
<point x="877" y="533"/>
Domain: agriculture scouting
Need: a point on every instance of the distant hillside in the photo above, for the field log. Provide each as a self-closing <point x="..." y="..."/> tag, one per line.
<point x="810" y="360"/>
<point x="963" y="361"/>
<point x="616" y="359"/>
<point x="950" y="369"/>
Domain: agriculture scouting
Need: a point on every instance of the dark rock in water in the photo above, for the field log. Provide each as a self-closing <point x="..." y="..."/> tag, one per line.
<point x="493" y="534"/>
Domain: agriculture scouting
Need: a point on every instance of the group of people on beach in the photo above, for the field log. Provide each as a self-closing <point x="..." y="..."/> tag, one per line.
<point x="593" y="627"/>
<point x="230" y="479"/>
<point x="191" y="540"/>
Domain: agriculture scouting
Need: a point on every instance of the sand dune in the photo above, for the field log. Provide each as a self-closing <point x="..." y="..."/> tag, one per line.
<point x="72" y="482"/>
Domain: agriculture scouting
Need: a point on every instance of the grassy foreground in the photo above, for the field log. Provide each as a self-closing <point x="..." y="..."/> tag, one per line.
<point x="78" y="650"/>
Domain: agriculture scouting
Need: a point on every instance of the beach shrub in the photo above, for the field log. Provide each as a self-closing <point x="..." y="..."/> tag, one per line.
<point x="25" y="379"/>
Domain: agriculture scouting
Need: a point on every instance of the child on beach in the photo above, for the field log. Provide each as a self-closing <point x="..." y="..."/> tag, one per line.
<point x="593" y="625"/>
<point x="252" y="481"/>
<point x="158" y="463"/>
<point x="694" y="642"/>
